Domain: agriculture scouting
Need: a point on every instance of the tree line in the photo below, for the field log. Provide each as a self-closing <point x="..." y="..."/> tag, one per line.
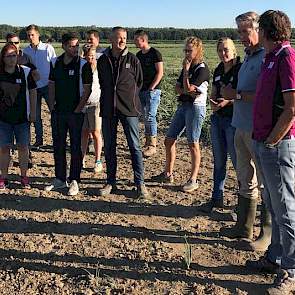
<point x="156" y="34"/>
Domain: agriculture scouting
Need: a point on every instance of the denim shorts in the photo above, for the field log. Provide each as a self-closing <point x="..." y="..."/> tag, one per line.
<point x="21" y="133"/>
<point x="190" y="117"/>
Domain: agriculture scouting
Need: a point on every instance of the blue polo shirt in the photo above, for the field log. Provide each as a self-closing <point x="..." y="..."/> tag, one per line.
<point x="247" y="80"/>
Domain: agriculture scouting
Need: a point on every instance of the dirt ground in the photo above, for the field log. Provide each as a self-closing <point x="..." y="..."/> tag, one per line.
<point x="52" y="243"/>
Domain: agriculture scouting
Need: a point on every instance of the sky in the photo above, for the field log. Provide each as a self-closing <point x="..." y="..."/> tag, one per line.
<point x="136" y="13"/>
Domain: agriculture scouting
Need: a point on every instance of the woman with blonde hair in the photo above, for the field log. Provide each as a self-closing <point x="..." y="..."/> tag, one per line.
<point x="92" y="120"/>
<point x="222" y="132"/>
<point x="191" y="87"/>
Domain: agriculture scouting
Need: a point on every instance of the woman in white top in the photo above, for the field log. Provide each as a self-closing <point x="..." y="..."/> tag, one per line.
<point x="92" y="120"/>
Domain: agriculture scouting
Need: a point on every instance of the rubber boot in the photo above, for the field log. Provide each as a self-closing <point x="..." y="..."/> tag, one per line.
<point x="246" y="212"/>
<point x="264" y="239"/>
<point x="151" y="148"/>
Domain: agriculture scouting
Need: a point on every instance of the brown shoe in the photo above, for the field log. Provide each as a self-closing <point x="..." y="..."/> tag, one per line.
<point x="142" y="192"/>
<point x="151" y="147"/>
<point x="284" y="284"/>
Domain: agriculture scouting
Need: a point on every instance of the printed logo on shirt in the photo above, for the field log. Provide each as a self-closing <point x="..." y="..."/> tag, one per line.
<point x="217" y="78"/>
<point x="71" y="72"/>
<point x="127" y="66"/>
<point x="270" y="65"/>
<point x="18" y="81"/>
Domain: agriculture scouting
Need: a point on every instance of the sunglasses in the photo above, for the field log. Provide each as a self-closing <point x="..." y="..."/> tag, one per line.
<point x="11" y="42"/>
<point x="187" y="50"/>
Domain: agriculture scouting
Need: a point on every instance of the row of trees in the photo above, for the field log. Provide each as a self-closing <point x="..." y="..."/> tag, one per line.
<point x="160" y="34"/>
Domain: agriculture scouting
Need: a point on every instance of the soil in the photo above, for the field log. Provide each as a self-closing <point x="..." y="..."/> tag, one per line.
<point x="52" y="243"/>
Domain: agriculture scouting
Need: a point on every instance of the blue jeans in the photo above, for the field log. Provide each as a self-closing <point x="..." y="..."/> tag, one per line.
<point x="190" y="117"/>
<point x="21" y="133"/>
<point x="62" y="123"/>
<point x="131" y="130"/>
<point x="150" y="100"/>
<point x="41" y="92"/>
<point x="277" y="166"/>
<point x="222" y="138"/>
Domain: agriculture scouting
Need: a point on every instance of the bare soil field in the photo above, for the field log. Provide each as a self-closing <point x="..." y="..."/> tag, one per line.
<point x="52" y="243"/>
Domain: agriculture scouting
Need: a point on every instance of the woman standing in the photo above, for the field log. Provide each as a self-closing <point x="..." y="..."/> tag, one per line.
<point x="222" y="133"/>
<point x="92" y="120"/>
<point x="17" y="109"/>
<point x="191" y="86"/>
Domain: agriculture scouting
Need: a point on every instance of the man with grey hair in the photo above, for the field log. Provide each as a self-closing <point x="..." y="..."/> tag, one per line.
<point x="247" y="173"/>
<point x="120" y="78"/>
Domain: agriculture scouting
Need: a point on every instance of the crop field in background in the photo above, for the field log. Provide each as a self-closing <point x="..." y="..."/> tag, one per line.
<point x="172" y="56"/>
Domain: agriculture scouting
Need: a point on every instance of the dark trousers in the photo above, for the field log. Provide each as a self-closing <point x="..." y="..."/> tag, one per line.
<point x="131" y="130"/>
<point x="61" y="124"/>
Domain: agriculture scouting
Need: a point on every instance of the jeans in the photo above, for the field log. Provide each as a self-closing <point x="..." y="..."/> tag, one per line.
<point x="190" y="117"/>
<point x="41" y="92"/>
<point x="131" y="130"/>
<point x="150" y="100"/>
<point x="277" y="167"/>
<point x="61" y="124"/>
<point x="222" y="138"/>
<point x="21" y="133"/>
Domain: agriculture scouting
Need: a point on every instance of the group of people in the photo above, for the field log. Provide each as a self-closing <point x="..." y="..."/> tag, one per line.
<point x="252" y="120"/>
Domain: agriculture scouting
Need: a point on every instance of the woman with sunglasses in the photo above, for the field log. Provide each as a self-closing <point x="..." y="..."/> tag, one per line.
<point x="191" y="87"/>
<point x="17" y="109"/>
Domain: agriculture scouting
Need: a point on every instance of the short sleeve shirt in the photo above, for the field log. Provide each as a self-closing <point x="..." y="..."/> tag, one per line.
<point x="221" y="78"/>
<point x="277" y="77"/>
<point x="67" y="83"/>
<point x="199" y="76"/>
<point x="247" y="81"/>
<point x="148" y="61"/>
<point x="13" y="94"/>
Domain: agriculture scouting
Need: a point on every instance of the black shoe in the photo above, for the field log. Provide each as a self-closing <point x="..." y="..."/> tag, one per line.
<point x="209" y="206"/>
<point x="263" y="264"/>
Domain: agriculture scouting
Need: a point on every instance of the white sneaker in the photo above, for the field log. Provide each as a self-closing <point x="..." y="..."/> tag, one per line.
<point x="98" y="167"/>
<point x="56" y="184"/>
<point x="73" y="188"/>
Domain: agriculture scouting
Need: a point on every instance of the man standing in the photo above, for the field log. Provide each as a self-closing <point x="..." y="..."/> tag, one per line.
<point x="120" y="78"/>
<point x="69" y="88"/>
<point x="92" y="38"/>
<point x="274" y="146"/>
<point x="152" y="67"/>
<point x="41" y="55"/>
<point x="247" y="173"/>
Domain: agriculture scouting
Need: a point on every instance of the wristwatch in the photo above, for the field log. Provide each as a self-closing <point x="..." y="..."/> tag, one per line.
<point x="269" y="145"/>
